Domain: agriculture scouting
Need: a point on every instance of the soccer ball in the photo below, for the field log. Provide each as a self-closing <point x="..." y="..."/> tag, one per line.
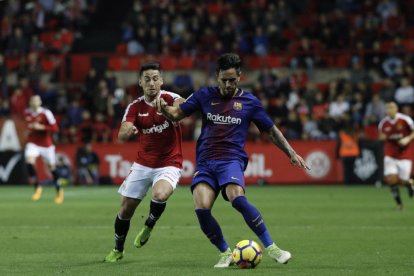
<point x="247" y="254"/>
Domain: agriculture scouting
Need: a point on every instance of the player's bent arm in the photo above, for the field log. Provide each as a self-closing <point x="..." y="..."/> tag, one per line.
<point x="178" y="101"/>
<point x="173" y="113"/>
<point x="382" y="136"/>
<point x="280" y="141"/>
<point x="126" y="131"/>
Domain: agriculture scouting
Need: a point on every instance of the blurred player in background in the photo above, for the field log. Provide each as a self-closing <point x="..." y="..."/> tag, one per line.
<point x="158" y="162"/>
<point x="227" y="112"/>
<point x="41" y="124"/>
<point x="397" y="132"/>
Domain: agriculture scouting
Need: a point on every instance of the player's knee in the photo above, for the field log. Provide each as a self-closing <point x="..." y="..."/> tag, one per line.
<point x="161" y="195"/>
<point x="391" y="179"/>
<point x="126" y="213"/>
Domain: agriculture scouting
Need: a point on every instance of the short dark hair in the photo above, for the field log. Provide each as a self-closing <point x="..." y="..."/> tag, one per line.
<point x="149" y="66"/>
<point x="227" y="61"/>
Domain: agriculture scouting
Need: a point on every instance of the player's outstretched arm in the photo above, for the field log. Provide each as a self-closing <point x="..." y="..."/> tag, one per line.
<point x="280" y="141"/>
<point x="126" y="131"/>
<point x="403" y="142"/>
<point x="173" y="113"/>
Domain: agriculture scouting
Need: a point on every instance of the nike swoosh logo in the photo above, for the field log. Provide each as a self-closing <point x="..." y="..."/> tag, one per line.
<point x="143" y="114"/>
<point x="6" y="171"/>
<point x="215" y="103"/>
<point x="235" y="178"/>
<point x="159" y="113"/>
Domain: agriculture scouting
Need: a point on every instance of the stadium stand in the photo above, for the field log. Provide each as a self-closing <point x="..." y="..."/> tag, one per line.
<point x="303" y="59"/>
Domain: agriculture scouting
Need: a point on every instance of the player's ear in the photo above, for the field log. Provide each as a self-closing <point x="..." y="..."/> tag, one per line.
<point x="140" y="82"/>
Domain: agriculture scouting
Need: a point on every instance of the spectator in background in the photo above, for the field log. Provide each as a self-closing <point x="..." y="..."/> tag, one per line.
<point x="64" y="172"/>
<point x="404" y="95"/>
<point x="387" y="91"/>
<point x="17" y="44"/>
<point x="338" y="110"/>
<point x="375" y="110"/>
<point x="101" y="130"/>
<point x="293" y="126"/>
<point x="18" y="102"/>
<point x="87" y="165"/>
<point x="3" y="78"/>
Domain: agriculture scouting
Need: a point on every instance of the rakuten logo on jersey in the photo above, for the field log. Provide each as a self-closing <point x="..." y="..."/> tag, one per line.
<point x="223" y="120"/>
<point x="156" y="128"/>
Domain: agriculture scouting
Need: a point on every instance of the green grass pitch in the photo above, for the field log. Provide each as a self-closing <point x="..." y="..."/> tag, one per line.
<point x="329" y="230"/>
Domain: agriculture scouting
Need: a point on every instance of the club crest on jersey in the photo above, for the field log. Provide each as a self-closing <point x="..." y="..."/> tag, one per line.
<point x="237" y="106"/>
<point x="399" y="126"/>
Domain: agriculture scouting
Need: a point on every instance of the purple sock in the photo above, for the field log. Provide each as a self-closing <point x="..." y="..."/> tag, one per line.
<point x="211" y="229"/>
<point x="253" y="218"/>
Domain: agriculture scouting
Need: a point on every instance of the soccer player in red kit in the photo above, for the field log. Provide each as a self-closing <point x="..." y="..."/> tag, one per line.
<point x="397" y="132"/>
<point x="41" y="124"/>
<point x="158" y="161"/>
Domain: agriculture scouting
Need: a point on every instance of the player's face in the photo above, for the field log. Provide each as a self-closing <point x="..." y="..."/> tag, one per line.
<point x="228" y="81"/>
<point x="35" y="102"/>
<point x="391" y="109"/>
<point x="151" y="82"/>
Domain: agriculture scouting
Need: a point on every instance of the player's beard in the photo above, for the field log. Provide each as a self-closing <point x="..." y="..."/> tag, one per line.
<point x="228" y="93"/>
<point x="152" y="94"/>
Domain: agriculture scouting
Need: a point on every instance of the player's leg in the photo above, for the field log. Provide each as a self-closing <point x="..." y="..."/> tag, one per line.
<point x="165" y="181"/>
<point x="204" y="196"/>
<point x="253" y="218"/>
<point x="133" y="190"/>
<point x="31" y="154"/>
<point x="122" y="223"/>
<point x="49" y="155"/>
<point x="404" y="173"/>
<point x="391" y="178"/>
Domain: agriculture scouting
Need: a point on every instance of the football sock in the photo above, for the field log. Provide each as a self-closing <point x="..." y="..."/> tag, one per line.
<point x="253" y="218"/>
<point x="395" y="191"/>
<point x="410" y="189"/>
<point x="211" y="229"/>
<point x="32" y="174"/>
<point x="121" y="231"/>
<point x="55" y="179"/>
<point x="156" y="210"/>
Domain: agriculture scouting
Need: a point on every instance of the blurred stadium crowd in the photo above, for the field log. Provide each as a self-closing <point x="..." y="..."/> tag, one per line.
<point x="288" y="45"/>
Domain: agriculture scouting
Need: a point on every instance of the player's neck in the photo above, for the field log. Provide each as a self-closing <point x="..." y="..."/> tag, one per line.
<point x="35" y="109"/>
<point x="230" y="96"/>
<point x="149" y="99"/>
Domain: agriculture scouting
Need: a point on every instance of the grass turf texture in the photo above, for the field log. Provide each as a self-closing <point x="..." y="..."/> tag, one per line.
<point x="329" y="230"/>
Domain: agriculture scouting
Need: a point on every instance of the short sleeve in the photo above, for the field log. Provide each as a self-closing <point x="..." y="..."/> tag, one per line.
<point x="49" y="116"/>
<point x="260" y="118"/>
<point x="191" y="104"/>
<point x="130" y="113"/>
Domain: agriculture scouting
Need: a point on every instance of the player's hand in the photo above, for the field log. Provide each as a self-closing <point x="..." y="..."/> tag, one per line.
<point x="160" y="103"/>
<point x="36" y="126"/>
<point x="297" y="160"/>
<point x="132" y="131"/>
<point x="404" y="141"/>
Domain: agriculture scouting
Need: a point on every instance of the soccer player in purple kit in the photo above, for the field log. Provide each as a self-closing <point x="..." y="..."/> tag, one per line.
<point x="221" y="160"/>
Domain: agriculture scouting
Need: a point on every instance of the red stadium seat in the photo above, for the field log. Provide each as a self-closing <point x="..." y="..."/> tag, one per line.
<point x="168" y="63"/>
<point x="273" y="61"/>
<point x="12" y="63"/>
<point x="343" y="60"/>
<point x="47" y="65"/>
<point x="67" y="38"/>
<point x="47" y="37"/>
<point x="376" y="87"/>
<point x="121" y="49"/>
<point x="133" y="64"/>
<point x="116" y="63"/>
<point x="254" y="62"/>
<point x="185" y="62"/>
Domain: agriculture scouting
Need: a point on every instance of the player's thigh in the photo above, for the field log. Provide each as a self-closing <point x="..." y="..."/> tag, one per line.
<point x="49" y="155"/>
<point x="390" y="166"/>
<point x="404" y="169"/>
<point x="165" y="181"/>
<point x="204" y="196"/>
<point x="137" y="183"/>
<point x="233" y="190"/>
<point x="128" y="206"/>
<point x="31" y="152"/>
<point x="231" y="179"/>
